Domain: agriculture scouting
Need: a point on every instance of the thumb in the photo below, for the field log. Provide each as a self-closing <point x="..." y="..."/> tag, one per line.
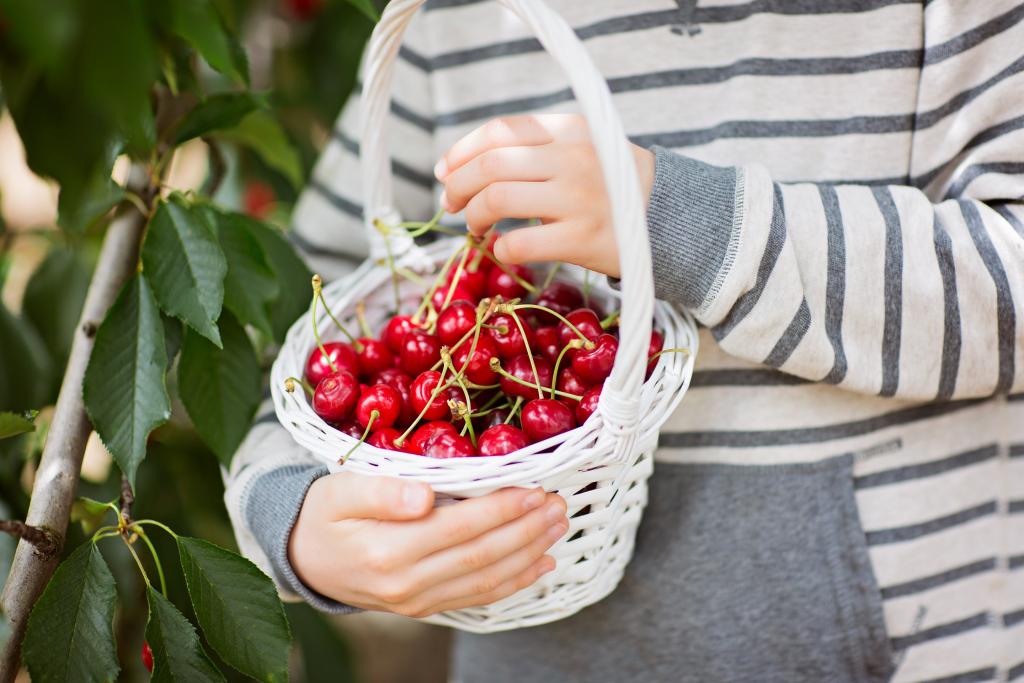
<point x="347" y="495"/>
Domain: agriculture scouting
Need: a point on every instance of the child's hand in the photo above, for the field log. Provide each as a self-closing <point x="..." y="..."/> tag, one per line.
<point x="537" y="167"/>
<point x="378" y="543"/>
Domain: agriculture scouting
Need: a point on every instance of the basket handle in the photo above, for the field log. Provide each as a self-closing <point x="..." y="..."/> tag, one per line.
<point x="620" y="404"/>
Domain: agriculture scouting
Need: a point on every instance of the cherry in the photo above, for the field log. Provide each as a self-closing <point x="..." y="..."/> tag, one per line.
<point x="385" y="439"/>
<point x="419" y="396"/>
<point x="258" y="199"/>
<point x="548" y="342"/>
<point x="471" y="279"/>
<point x="343" y="356"/>
<point x="147" y="656"/>
<point x="653" y="347"/>
<point x="455" y="321"/>
<point x="560" y="297"/>
<point x="495" y="417"/>
<point x="335" y="396"/>
<point x="519" y="367"/>
<point x="304" y="9"/>
<point x="459" y="293"/>
<point x="420" y="351"/>
<point x="507" y="337"/>
<point x="395" y="331"/>
<point x="427" y="431"/>
<point x="383" y="399"/>
<point x="396" y="378"/>
<point x="448" y="445"/>
<point x="571" y="383"/>
<point x="585" y="320"/>
<point x="501" y="439"/>
<point x="596" y="364"/>
<point x="374" y="355"/>
<point x="503" y="284"/>
<point x="477" y="367"/>
<point x="543" y="418"/>
<point x="350" y="427"/>
<point x="588" y="404"/>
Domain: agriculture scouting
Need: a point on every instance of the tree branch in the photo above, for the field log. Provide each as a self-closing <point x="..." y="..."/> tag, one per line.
<point x="127" y="499"/>
<point x="47" y="544"/>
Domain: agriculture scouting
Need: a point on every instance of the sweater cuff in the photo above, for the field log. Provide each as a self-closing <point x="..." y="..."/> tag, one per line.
<point x="271" y="510"/>
<point x="694" y="220"/>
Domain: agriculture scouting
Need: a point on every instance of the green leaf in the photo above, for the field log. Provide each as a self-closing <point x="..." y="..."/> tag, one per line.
<point x="367" y="8"/>
<point x="173" y="335"/>
<point x="54" y="297"/>
<point x="217" y="112"/>
<point x="326" y="656"/>
<point x="12" y="424"/>
<point x="250" y="285"/>
<point x="177" y="652"/>
<point x="221" y="388"/>
<point x="70" y="634"/>
<point x="292" y="278"/>
<point x="89" y="513"/>
<point x="26" y="383"/>
<point x="238" y="608"/>
<point x="79" y="208"/>
<point x="260" y="132"/>
<point x="124" y="390"/>
<point x="199" y="23"/>
<point x="182" y="260"/>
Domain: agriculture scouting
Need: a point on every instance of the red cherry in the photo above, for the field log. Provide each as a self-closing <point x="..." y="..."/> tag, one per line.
<point x="455" y="321"/>
<point x="385" y="400"/>
<point x="477" y="367"/>
<point x="374" y="356"/>
<point x="495" y="417"/>
<point x="471" y="279"/>
<point x="304" y="9"/>
<point x="396" y="378"/>
<point x="596" y="364"/>
<point x="459" y="293"/>
<point x="419" y="396"/>
<point x="420" y="351"/>
<point x="501" y="283"/>
<point x="654" y="346"/>
<point x="336" y="396"/>
<point x="519" y="367"/>
<point x="588" y="404"/>
<point x="147" y="657"/>
<point x="385" y="439"/>
<point x="258" y="199"/>
<point x="585" y="320"/>
<point x="571" y="383"/>
<point x="350" y="427"/>
<point x="560" y="297"/>
<point x="502" y="439"/>
<point x="395" y="331"/>
<point x="508" y="338"/>
<point x="548" y="343"/>
<point x="427" y="431"/>
<point x="342" y="354"/>
<point x="543" y="418"/>
<point x="448" y="445"/>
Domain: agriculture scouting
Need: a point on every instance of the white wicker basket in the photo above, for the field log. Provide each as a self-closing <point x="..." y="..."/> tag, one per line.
<point x="600" y="468"/>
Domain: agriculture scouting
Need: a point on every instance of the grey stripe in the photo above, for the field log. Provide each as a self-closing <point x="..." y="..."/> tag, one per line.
<point x="987" y="135"/>
<point x="951" y="332"/>
<point x="752" y="377"/>
<point x="1015" y="506"/>
<point x="972" y="172"/>
<point x="979" y="620"/>
<point x="835" y="283"/>
<point x="1006" y="317"/>
<point x="309" y="249"/>
<point x="1015" y="672"/>
<point x="784" y="437"/>
<point x="1013" y="618"/>
<point x="776" y="238"/>
<point x="1015" y="562"/>
<point x="893" y="325"/>
<point x="414" y="58"/>
<point x="911" y="532"/>
<point x="424" y="180"/>
<point x="1017" y="450"/>
<point x="974" y="37"/>
<point x="791" y="337"/>
<point x="266" y="418"/>
<point x="1015" y="397"/>
<point x="344" y="205"/>
<point x="928" y="469"/>
<point x="941" y="579"/>
<point x="976" y="676"/>
<point x="1004" y="211"/>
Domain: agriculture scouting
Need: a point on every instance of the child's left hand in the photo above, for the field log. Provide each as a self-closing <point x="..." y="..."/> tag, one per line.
<point x="537" y="167"/>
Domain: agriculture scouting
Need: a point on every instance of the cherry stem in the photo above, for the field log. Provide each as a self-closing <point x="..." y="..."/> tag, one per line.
<point x="461" y="410"/>
<point x="515" y="409"/>
<point x="483" y="312"/>
<point x="156" y="558"/>
<point x="455" y="280"/>
<point x="316" y="327"/>
<point x="587" y="344"/>
<point x="611" y="319"/>
<point x="425" y="303"/>
<point x="676" y="350"/>
<point x="318" y="294"/>
<point x="549" y="278"/>
<point x="390" y="259"/>
<point x="423" y="228"/>
<point x="528" y="286"/>
<point x="457" y="379"/>
<point x="496" y="366"/>
<point x="529" y="354"/>
<point x="433" y="394"/>
<point x="374" y="414"/>
<point x="574" y="344"/>
<point x="290" y="382"/>
<point x="361" y="318"/>
<point x="410" y="276"/>
<point x="138" y="562"/>
<point x="483" y="413"/>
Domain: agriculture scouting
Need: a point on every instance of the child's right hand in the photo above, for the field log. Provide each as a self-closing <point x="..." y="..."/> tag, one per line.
<point x="378" y="543"/>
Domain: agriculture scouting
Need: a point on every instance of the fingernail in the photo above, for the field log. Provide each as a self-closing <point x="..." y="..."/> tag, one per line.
<point x="554" y="512"/>
<point x="533" y="500"/>
<point x="441" y="169"/>
<point x="414" y="497"/>
<point x="557" y="531"/>
<point x="444" y="201"/>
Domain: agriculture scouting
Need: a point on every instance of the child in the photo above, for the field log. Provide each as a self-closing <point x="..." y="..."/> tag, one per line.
<point x="835" y="191"/>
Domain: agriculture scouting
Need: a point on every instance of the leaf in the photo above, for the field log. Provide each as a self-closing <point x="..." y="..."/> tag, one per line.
<point x="260" y="132"/>
<point x="185" y="265"/>
<point x="292" y="278"/>
<point x="326" y="656"/>
<point x="89" y="513"/>
<point x="26" y="383"/>
<point x="177" y="652"/>
<point x="54" y="297"/>
<point x="70" y="634"/>
<point x="77" y="210"/>
<point x="124" y="390"/>
<point x="173" y="335"/>
<point x="221" y="388"/>
<point x="217" y="112"/>
<point x="199" y="23"/>
<point x="238" y="608"/>
<point x="12" y="424"/>
<point x="367" y="8"/>
<point x="250" y="285"/>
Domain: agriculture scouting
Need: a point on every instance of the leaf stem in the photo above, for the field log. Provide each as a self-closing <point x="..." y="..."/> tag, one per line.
<point x="156" y="559"/>
<point x="160" y="525"/>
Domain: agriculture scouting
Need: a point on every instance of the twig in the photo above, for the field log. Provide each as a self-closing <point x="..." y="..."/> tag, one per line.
<point x="127" y="499"/>
<point x="47" y="544"/>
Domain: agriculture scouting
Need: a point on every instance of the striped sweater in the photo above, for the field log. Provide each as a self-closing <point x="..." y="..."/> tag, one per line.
<point x="839" y="199"/>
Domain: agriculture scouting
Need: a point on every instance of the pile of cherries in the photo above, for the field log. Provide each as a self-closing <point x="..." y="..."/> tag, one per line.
<point x="488" y="364"/>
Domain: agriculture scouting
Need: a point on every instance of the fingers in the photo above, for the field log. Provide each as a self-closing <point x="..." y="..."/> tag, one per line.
<point x="508" y="199"/>
<point x="347" y="495"/>
<point x="451" y="525"/>
<point x="548" y="522"/>
<point x="508" y="131"/>
<point x="530" y="164"/>
<point x="550" y="242"/>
